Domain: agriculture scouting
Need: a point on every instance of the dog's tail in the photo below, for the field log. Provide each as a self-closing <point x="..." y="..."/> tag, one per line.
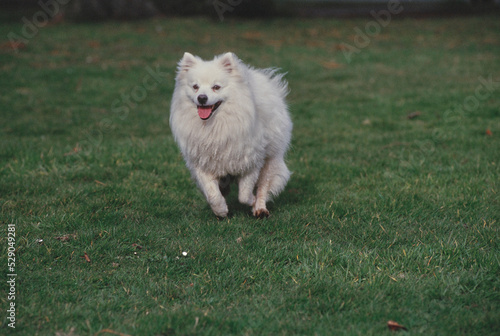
<point x="278" y="79"/>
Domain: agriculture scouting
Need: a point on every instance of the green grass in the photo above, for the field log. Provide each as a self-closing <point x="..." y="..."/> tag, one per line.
<point x="385" y="218"/>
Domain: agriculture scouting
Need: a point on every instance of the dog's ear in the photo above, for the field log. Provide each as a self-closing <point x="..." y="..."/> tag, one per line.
<point x="229" y="61"/>
<point x="187" y="62"/>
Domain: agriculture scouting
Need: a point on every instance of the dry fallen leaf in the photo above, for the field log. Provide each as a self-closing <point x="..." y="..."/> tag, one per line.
<point x="488" y="132"/>
<point x="66" y="237"/>
<point x="75" y="150"/>
<point x="331" y="65"/>
<point x="395" y="326"/>
<point x="252" y="35"/>
<point x="413" y="115"/>
<point x="137" y="246"/>
<point x="12" y="45"/>
<point x="69" y="333"/>
<point x="86" y="257"/>
<point x="94" y="44"/>
<point x="340" y="47"/>
<point x="110" y="331"/>
<point x="274" y="43"/>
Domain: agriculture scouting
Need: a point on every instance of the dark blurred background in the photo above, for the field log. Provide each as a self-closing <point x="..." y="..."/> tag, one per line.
<point x="88" y="10"/>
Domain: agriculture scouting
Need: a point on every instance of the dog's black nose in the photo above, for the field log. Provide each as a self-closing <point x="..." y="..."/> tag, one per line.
<point x="202" y="99"/>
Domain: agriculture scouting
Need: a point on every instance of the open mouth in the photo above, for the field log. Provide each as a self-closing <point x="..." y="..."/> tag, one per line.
<point x="206" y="111"/>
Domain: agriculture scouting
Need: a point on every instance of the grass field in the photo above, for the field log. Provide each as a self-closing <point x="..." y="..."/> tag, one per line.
<point x="385" y="217"/>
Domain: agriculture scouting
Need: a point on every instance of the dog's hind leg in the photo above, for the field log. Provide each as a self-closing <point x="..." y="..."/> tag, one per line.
<point x="246" y="185"/>
<point x="272" y="180"/>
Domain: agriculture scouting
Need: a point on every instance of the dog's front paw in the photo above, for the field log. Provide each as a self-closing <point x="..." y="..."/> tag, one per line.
<point x="220" y="211"/>
<point x="261" y="213"/>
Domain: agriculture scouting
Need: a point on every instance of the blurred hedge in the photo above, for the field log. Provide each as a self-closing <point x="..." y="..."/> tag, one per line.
<point x="91" y="10"/>
<point x="131" y="9"/>
<point x="110" y="9"/>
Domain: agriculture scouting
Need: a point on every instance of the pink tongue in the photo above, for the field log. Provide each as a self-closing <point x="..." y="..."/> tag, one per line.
<point x="204" y="111"/>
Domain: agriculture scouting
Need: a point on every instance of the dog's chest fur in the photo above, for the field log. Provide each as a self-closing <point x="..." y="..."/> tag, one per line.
<point x="225" y="149"/>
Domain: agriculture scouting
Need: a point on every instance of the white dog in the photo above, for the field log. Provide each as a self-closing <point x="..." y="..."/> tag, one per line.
<point x="231" y="120"/>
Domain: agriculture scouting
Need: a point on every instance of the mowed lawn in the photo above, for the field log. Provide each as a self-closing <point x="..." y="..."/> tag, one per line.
<point x="392" y="211"/>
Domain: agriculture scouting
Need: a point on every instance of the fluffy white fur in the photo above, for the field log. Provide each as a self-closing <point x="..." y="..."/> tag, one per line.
<point x="246" y="136"/>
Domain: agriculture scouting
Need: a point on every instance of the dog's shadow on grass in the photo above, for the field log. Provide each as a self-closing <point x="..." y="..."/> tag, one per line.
<point x="297" y="192"/>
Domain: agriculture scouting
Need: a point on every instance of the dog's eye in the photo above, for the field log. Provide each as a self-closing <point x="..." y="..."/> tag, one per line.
<point x="216" y="87"/>
<point x="195" y="87"/>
